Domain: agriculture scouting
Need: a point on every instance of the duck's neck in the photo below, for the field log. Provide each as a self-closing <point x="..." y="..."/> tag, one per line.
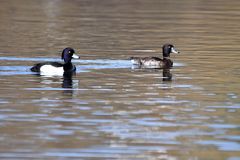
<point x="168" y="61"/>
<point x="68" y="66"/>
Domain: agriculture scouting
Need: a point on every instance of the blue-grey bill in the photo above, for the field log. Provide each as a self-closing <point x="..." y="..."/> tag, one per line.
<point x="173" y="50"/>
<point x="75" y="56"/>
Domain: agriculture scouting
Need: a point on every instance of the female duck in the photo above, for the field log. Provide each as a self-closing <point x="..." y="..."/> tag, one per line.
<point x="156" y="62"/>
<point x="56" y="68"/>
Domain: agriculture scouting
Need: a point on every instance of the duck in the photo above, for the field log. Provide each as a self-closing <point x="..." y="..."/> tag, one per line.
<point x="56" y="68"/>
<point x="156" y="62"/>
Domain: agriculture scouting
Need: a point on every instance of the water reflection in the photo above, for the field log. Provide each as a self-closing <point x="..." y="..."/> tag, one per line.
<point x="167" y="75"/>
<point x="67" y="80"/>
<point x="68" y="83"/>
<point x="188" y="112"/>
<point x="65" y="83"/>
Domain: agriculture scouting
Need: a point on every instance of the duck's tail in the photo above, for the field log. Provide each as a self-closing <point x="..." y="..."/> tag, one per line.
<point x="36" y="68"/>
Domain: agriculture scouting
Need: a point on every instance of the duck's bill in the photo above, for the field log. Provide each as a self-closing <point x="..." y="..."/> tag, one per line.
<point x="173" y="50"/>
<point x="75" y="56"/>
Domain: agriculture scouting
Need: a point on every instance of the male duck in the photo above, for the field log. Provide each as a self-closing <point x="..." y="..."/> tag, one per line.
<point x="56" y="68"/>
<point x="156" y="62"/>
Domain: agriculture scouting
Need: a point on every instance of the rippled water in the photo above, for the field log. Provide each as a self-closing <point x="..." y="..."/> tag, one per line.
<point x="109" y="109"/>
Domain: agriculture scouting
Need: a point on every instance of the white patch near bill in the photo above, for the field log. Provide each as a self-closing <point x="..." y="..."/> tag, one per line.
<point x="51" y="70"/>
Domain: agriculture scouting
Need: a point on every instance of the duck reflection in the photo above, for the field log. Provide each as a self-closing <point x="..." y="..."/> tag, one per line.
<point x="67" y="80"/>
<point x="167" y="75"/>
<point x="68" y="84"/>
<point x="166" y="72"/>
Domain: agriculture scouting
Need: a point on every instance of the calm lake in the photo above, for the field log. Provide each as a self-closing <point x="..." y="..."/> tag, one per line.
<point x="109" y="109"/>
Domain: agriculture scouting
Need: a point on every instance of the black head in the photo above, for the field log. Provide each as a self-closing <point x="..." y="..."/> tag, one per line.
<point x="167" y="49"/>
<point x="68" y="54"/>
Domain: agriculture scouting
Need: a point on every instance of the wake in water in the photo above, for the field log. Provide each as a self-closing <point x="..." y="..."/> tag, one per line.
<point x="82" y="65"/>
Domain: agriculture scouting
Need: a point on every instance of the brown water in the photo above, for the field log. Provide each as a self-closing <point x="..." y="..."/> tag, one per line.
<point x="109" y="110"/>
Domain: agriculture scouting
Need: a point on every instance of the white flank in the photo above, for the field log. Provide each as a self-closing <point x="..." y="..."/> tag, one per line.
<point x="49" y="70"/>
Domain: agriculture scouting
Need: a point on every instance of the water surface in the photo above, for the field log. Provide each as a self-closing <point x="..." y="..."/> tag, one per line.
<point x="109" y="109"/>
